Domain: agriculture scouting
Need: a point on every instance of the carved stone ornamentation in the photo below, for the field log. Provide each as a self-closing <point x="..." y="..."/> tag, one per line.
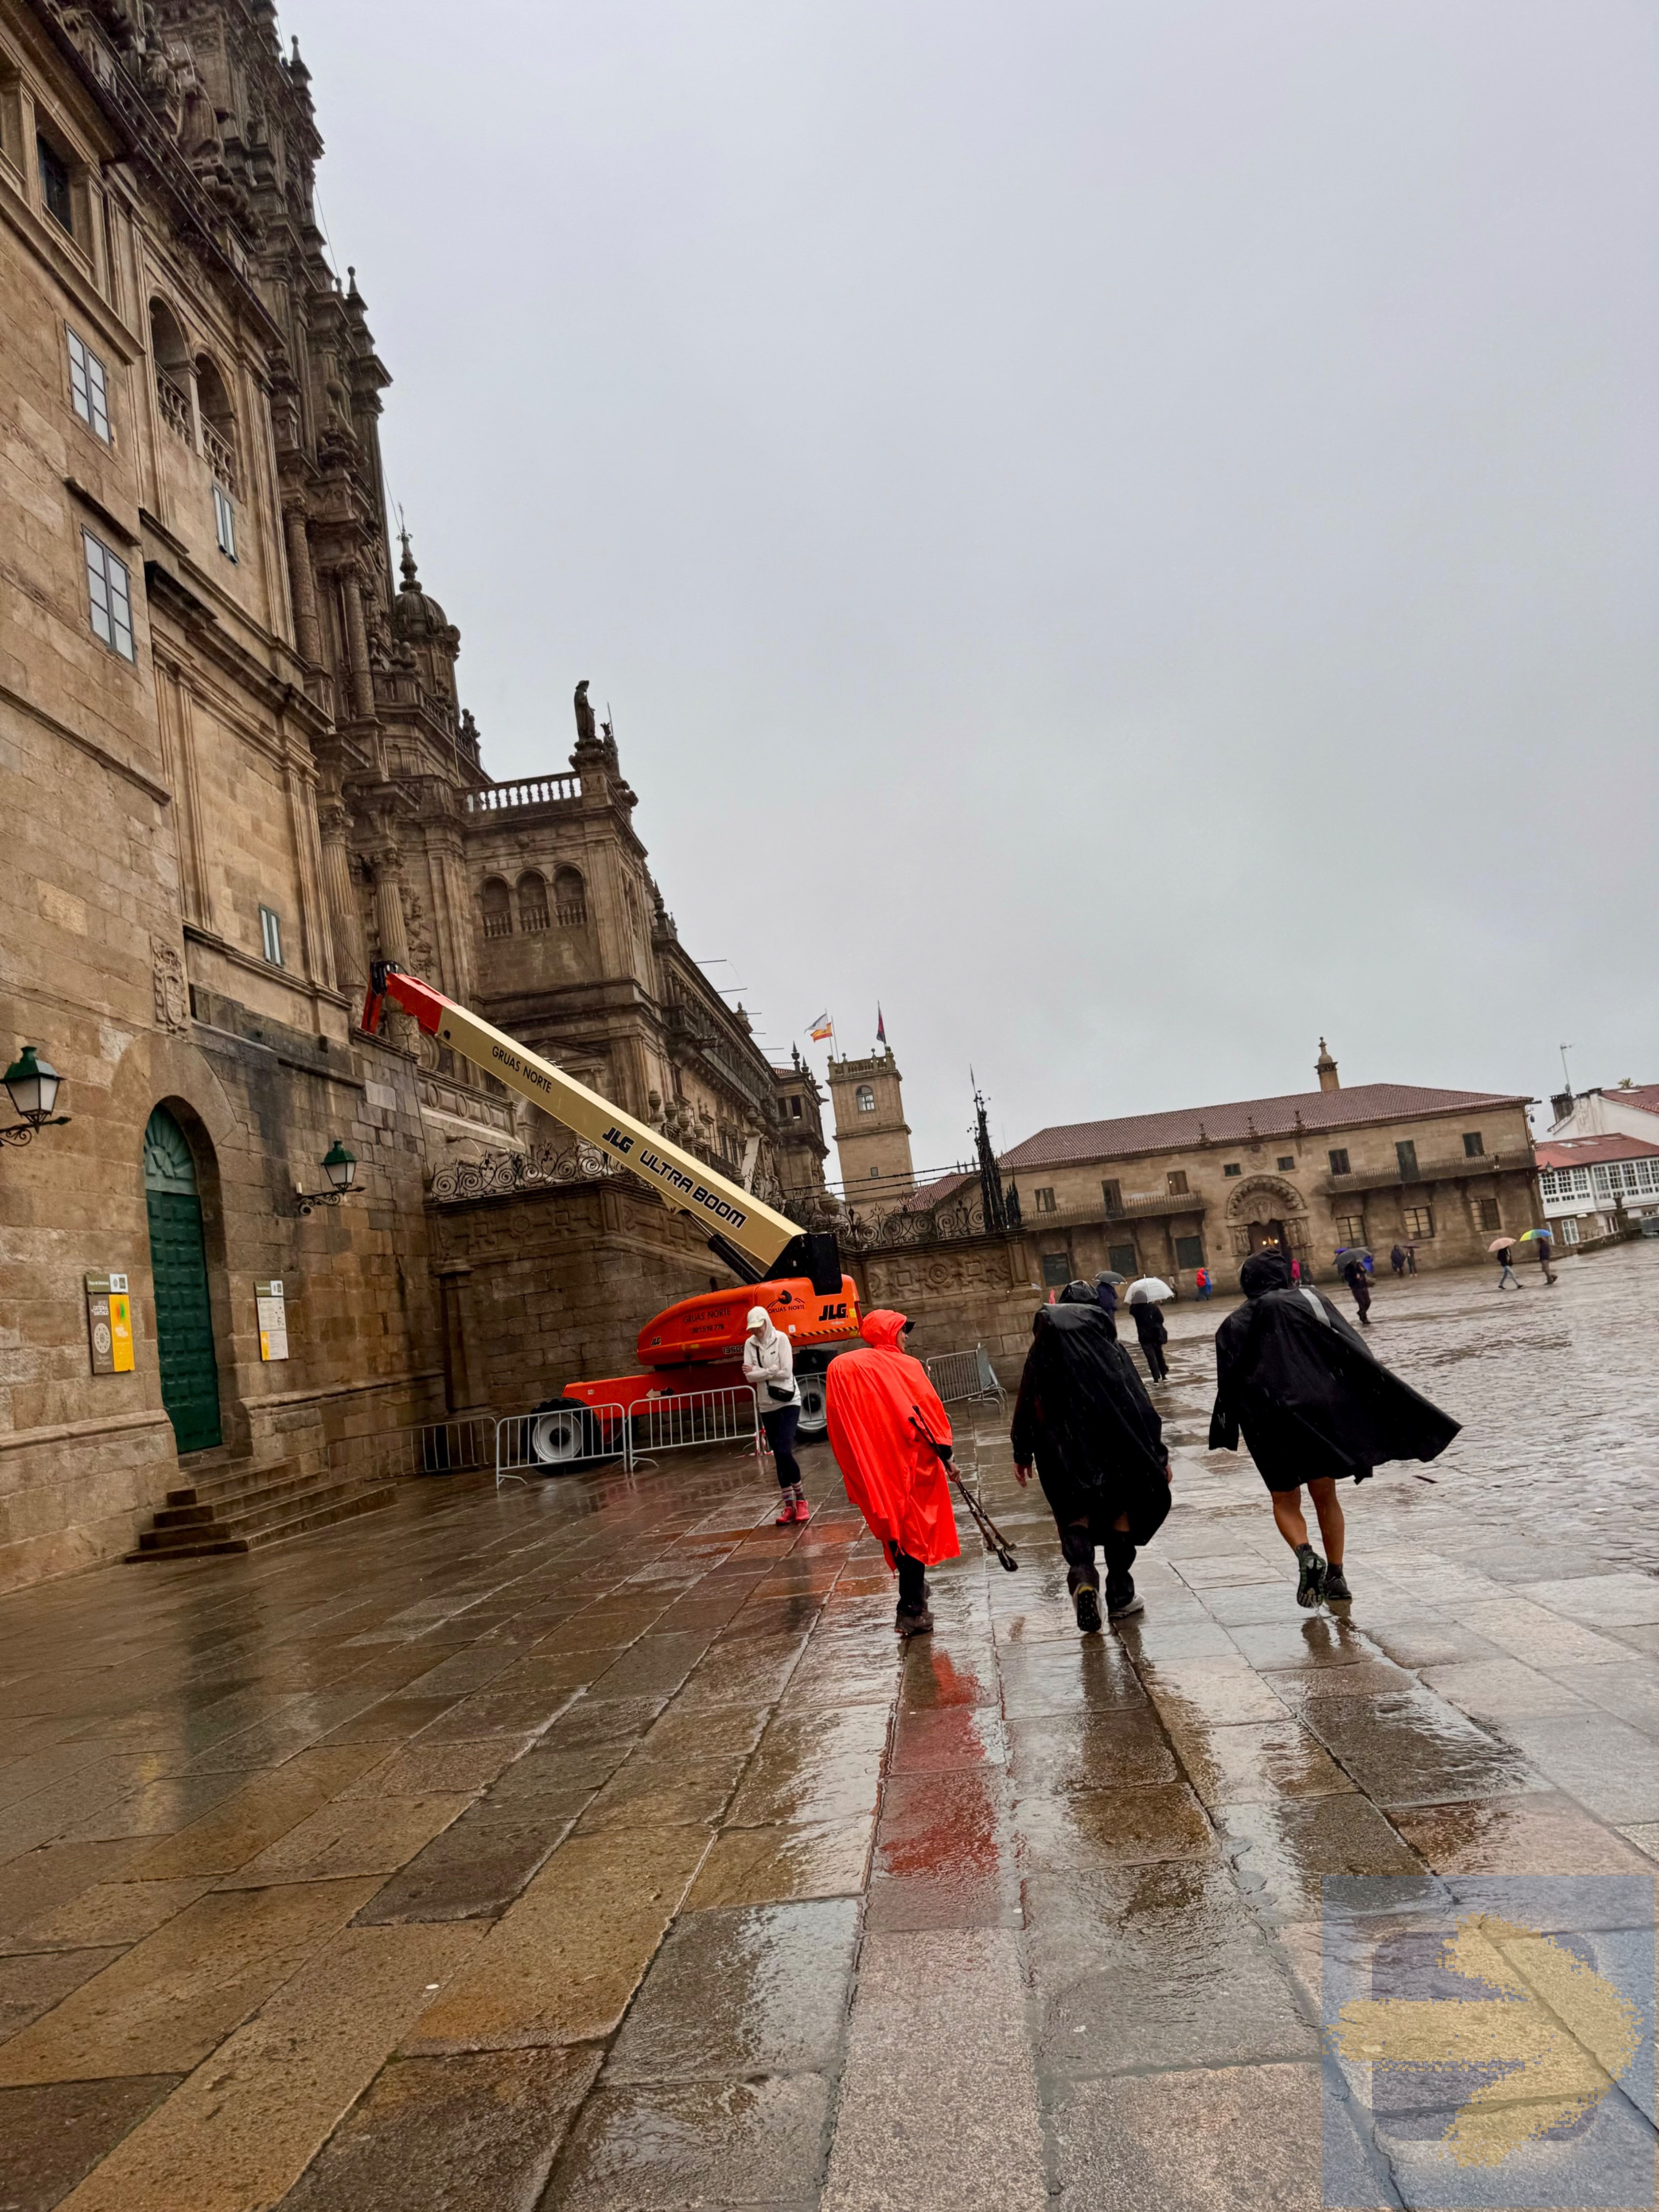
<point x="172" y="993"/>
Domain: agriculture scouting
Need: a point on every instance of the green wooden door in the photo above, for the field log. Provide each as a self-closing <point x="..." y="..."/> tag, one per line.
<point x="178" y="1259"/>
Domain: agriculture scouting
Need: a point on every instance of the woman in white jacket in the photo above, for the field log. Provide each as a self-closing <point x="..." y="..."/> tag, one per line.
<point x="769" y="1368"/>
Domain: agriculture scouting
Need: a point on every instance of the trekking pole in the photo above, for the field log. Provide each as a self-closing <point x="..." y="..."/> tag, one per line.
<point x="991" y="1535"/>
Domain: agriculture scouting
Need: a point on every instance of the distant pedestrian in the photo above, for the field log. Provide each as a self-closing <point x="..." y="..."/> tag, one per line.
<point x="769" y="1368"/>
<point x="1544" y="1248"/>
<point x="1106" y="1299"/>
<point x="1202" y="1284"/>
<point x="1354" y="1274"/>
<point x="1507" y="1277"/>
<point x="1148" y="1318"/>
<point x="1411" y="1259"/>
<point x="1312" y="1405"/>
<point x="874" y="1401"/>
<point x="1082" y="1415"/>
<point x="1397" y="1259"/>
<point x="1296" y="1270"/>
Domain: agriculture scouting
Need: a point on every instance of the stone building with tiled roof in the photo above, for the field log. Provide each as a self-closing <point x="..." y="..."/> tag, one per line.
<point x="1377" y="1164"/>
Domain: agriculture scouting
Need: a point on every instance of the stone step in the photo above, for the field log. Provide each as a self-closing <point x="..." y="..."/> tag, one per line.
<point x="186" y="1543"/>
<point x="254" y="1485"/>
<point x="347" y="1508"/>
<point x="184" y="1516"/>
<point x="287" y="1505"/>
<point x="250" y="1516"/>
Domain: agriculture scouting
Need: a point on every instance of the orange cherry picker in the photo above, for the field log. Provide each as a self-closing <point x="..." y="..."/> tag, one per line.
<point x="696" y="1343"/>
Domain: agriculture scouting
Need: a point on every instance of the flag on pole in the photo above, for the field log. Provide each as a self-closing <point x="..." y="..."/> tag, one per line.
<point x="823" y="1027"/>
<point x="881" y="1026"/>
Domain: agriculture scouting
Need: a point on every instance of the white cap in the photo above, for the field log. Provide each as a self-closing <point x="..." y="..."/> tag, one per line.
<point x="758" y="1317"/>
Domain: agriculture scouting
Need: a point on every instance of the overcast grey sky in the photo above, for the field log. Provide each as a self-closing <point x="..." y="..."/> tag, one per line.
<point x="1128" y="532"/>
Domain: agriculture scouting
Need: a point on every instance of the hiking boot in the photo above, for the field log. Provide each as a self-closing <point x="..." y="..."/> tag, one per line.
<point x="1122" y="1604"/>
<point x="802" y="1511"/>
<point x="1310" y="1583"/>
<point x="1086" y="1598"/>
<point x="787" y="1515"/>
<point x="1336" y="1587"/>
<point x="919" y="1623"/>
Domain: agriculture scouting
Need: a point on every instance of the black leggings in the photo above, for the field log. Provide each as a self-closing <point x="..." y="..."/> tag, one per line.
<point x="779" y="1427"/>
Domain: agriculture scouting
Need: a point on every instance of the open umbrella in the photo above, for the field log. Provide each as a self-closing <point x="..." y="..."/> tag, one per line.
<point x="1149" y="1290"/>
<point x="1109" y="1277"/>
<point x="1500" y="1244"/>
<point x="1538" y="1235"/>
<point x="1348" y="1253"/>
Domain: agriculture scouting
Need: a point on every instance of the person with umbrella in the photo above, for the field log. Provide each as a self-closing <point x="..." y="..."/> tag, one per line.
<point x="1351" y="1266"/>
<point x="1507" y="1277"/>
<point x="1143" y="1295"/>
<point x="1107" y="1286"/>
<point x="891" y="1438"/>
<point x="1084" y="1417"/>
<point x="1312" y="1404"/>
<point x="1541" y="1240"/>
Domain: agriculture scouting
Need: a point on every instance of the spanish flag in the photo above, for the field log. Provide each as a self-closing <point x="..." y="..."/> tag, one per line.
<point x="823" y="1027"/>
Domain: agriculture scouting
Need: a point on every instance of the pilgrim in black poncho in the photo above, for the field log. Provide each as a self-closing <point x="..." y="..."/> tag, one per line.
<point x="1083" y="1416"/>
<point x="1304" y="1390"/>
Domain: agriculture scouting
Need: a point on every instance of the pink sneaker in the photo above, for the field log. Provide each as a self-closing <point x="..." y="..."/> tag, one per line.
<point x="802" y="1511"/>
<point x="786" y="1517"/>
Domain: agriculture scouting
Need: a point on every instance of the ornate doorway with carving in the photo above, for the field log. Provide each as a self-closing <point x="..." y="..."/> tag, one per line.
<point x="1267" y="1214"/>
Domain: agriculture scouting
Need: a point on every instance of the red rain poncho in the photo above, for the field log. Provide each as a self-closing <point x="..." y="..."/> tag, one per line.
<point x="901" y="1490"/>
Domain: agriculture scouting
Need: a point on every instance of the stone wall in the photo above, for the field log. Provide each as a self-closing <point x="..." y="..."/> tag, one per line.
<point x="554" y="1284"/>
<point x="981" y="1290"/>
<point x="85" y="1458"/>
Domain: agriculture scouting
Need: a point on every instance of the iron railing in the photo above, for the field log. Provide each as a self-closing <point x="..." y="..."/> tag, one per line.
<point x="497" y="1175"/>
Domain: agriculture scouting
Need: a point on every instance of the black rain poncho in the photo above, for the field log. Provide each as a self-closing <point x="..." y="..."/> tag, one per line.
<point x="1302" y="1389"/>
<point x="1082" y="1415"/>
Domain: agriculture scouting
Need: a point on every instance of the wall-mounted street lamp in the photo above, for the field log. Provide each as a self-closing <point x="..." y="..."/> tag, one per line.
<point x="33" y="1085"/>
<point x="340" y="1167"/>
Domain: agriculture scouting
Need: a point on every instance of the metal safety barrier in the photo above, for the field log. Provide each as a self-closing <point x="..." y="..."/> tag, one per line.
<point x="558" y="1439"/>
<point x="694" y="1417"/>
<point x="429" y="1447"/>
<point x="958" y="1376"/>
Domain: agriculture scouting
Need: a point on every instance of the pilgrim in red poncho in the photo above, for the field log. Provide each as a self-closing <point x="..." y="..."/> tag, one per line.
<point x="875" y="1400"/>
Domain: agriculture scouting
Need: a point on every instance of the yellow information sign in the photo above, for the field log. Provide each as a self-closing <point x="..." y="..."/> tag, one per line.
<point x="109" y="1324"/>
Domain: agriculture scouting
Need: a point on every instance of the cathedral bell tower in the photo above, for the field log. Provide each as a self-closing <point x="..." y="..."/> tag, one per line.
<point x="872" y="1137"/>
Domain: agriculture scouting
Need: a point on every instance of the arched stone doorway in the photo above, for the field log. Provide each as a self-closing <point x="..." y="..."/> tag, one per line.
<point x="1267" y="1215"/>
<point x="184" y="1312"/>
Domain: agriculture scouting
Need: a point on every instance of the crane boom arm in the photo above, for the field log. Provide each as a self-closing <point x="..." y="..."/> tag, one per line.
<point x="730" y="1213"/>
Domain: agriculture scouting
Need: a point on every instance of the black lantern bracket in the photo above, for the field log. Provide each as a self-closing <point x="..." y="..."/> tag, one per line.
<point x="340" y="1166"/>
<point x="33" y="1085"/>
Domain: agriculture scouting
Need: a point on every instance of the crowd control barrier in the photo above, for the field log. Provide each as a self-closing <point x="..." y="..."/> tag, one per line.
<point x="558" y="1439"/>
<point x="693" y="1417"/>
<point x="959" y="1376"/>
<point x="400" y="1454"/>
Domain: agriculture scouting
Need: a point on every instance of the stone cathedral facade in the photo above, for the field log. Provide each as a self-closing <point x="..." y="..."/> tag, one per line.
<point x="236" y="768"/>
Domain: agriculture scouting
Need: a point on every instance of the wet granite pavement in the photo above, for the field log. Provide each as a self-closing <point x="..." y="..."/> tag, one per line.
<point x="593" y="1846"/>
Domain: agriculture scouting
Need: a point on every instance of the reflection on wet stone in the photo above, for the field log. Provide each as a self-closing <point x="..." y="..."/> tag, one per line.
<point x="653" y="1769"/>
